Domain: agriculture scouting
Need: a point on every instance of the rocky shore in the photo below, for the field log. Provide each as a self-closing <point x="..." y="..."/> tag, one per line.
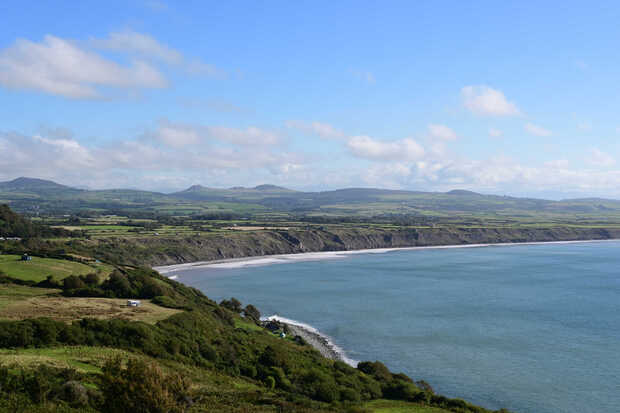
<point x="309" y="335"/>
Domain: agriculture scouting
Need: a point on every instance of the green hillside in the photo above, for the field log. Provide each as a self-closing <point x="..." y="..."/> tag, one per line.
<point x="35" y="196"/>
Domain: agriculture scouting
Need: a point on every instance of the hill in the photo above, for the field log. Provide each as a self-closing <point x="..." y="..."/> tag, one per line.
<point x="40" y="196"/>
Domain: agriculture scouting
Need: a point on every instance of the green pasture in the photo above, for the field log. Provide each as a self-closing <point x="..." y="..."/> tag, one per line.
<point x="395" y="406"/>
<point x="39" y="268"/>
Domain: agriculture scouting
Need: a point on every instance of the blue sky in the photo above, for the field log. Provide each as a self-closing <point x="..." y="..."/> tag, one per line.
<point x="518" y="99"/>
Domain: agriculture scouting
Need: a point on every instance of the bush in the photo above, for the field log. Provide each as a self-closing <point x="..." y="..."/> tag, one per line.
<point x="165" y="301"/>
<point x="142" y="387"/>
<point x="233" y="305"/>
<point x="401" y="390"/>
<point x="376" y="369"/>
<point x="252" y="313"/>
<point x="73" y="282"/>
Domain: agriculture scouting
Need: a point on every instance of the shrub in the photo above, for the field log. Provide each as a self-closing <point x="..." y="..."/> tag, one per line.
<point x="400" y="390"/>
<point x="252" y="313"/>
<point x="142" y="387"/>
<point x="233" y="305"/>
<point x="376" y="369"/>
<point x="91" y="279"/>
<point x="72" y="282"/>
<point x="165" y="301"/>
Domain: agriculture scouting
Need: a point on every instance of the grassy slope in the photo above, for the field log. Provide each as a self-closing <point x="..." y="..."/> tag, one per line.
<point x="11" y="294"/>
<point x="392" y="406"/>
<point x="75" y="308"/>
<point x="39" y="268"/>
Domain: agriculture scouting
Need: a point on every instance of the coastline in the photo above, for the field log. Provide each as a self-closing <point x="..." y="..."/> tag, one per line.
<point x="256" y="260"/>
<point x="319" y="341"/>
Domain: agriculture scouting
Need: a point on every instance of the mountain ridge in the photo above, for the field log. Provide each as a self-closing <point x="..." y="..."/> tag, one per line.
<point x="28" y="194"/>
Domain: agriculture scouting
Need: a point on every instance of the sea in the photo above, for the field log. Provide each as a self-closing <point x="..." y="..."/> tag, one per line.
<point x="531" y="328"/>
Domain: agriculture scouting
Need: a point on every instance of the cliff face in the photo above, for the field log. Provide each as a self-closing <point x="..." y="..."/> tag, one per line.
<point x="164" y="251"/>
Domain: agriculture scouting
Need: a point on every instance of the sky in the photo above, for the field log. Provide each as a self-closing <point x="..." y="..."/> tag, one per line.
<point x="513" y="99"/>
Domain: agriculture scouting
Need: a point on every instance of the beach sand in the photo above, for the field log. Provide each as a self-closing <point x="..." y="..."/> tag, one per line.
<point x="323" y="255"/>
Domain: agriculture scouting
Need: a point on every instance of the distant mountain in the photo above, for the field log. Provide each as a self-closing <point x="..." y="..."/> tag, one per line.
<point x="33" y="185"/>
<point x="267" y="187"/>
<point x="29" y="194"/>
<point x="234" y="194"/>
<point x="463" y="192"/>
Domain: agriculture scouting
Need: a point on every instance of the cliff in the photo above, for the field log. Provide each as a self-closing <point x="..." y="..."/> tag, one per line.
<point x="164" y="251"/>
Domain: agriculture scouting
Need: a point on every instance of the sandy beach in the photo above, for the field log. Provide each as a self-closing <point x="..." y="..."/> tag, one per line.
<point x="324" y="255"/>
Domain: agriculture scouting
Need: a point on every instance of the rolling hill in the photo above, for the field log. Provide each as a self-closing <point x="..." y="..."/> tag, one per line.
<point x="36" y="195"/>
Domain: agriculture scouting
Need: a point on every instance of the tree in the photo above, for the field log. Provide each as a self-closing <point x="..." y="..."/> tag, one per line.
<point x="233" y="305"/>
<point x="251" y="312"/>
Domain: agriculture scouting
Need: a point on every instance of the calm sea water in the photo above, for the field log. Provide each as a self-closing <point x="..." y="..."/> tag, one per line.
<point x="533" y="328"/>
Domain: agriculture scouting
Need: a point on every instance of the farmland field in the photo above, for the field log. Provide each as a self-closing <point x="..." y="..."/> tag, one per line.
<point x="74" y="308"/>
<point x="39" y="268"/>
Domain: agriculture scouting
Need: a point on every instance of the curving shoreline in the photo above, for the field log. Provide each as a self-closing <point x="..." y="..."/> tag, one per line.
<point x="315" y="338"/>
<point x="322" y="255"/>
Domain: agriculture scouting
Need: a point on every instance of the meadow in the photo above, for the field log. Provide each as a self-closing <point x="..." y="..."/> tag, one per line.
<point x="37" y="269"/>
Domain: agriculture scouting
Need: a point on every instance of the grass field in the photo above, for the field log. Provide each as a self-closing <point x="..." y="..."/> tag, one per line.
<point x="39" y="268"/>
<point x="392" y="406"/>
<point x="29" y="304"/>
<point x="82" y="358"/>
<point x="11" y="294"/>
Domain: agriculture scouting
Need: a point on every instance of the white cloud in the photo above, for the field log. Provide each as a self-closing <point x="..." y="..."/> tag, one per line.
<point x="140" y="44"/>
<point x="496" y="133"/>
<point x="536" y="130"/>
<point x="140" y="162"/>
<point x="442" y="132"/>
<point x="404" y="150"/>
<point x="557" y="164"/>
<point x="59" y="67"/>
<point x="177" y="135"/>
<point x="483" y="100"/>
<point x="145" y="46"/>
<point x="249" y="136"/>
<point x="599" y="158"/>
<point x="181" y="135"/>
<point x="203" y="158"/>
<point x="324" y="130"/>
